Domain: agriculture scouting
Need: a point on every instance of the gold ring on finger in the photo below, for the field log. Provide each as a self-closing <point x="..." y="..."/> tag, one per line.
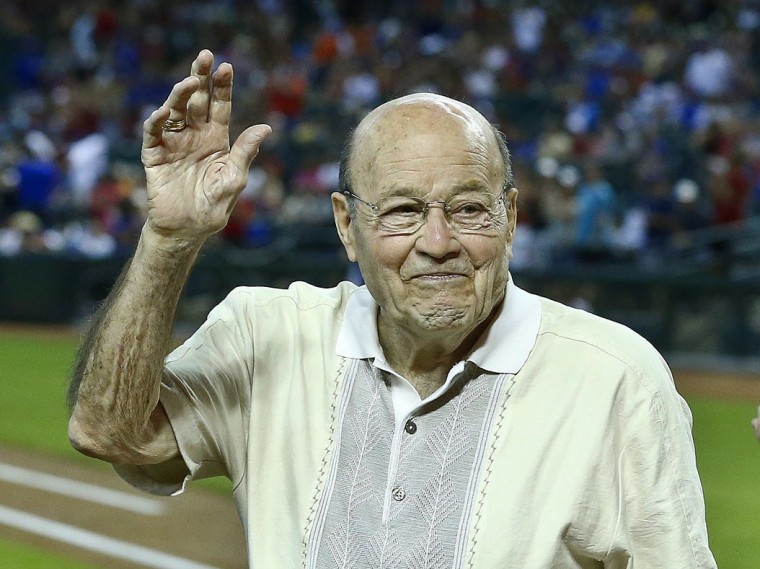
<point x="171" y="125"/>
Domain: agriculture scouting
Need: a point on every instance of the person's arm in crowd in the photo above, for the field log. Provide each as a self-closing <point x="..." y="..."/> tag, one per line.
<point x="193" y="181"/>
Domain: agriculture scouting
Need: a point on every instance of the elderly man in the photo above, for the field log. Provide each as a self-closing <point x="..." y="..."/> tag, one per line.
<point x="438" y="417"/>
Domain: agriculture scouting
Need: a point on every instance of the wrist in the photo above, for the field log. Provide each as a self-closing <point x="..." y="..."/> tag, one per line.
<point x="170" y="246"/>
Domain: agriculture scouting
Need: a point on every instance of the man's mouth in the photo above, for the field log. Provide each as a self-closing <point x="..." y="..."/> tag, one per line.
<point x="438" y="276"/>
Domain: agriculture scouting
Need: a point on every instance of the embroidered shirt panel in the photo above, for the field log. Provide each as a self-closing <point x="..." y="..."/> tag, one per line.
<point x="401" y="496"/>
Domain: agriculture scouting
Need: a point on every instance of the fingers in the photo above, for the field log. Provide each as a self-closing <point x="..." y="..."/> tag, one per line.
<point x="152" y="127"/>
<point x="197" y="106"/>
<point x="220" y="107"/>
<point x="188" y="101"/>
<point x="203" y="96"/>
<point x="179" y="97"/>
<point x="247" y="146"/>
<point x="175" y="108"/>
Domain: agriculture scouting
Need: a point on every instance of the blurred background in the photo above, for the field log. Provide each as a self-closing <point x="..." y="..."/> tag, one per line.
<point x="634" y="129"/>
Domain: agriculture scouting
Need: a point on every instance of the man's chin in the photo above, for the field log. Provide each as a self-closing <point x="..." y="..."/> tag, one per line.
<point x="444" y="318"/>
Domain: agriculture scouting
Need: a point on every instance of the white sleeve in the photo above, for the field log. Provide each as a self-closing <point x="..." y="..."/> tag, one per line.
<point x="662" y="514"/>
<point x="206" y="395"/>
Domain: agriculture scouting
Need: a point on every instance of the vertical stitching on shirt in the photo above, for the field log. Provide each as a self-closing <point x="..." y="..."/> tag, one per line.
<point x="325" y="461"/>
<point x="472" y="484"/>
<point x="488" y="471"/>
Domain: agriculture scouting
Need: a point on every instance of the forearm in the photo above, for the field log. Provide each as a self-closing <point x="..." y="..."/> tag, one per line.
<point x="115" y="386"/>
<point x="193" y="177"/>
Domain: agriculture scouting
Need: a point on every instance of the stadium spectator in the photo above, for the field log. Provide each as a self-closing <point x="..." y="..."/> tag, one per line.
<point x="661" y="218"/>
<point x="24" y="233"/>
<point x="596" y="212"/>
<point x="691" y="212"/>
<point x="710" y="70"/>
<point x="39" y="177"/>
<point x="729" y="192"/>
<point x="644" y="87"/>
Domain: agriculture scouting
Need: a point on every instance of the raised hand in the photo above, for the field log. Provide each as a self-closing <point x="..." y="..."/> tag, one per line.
<point x="193" y="176"/>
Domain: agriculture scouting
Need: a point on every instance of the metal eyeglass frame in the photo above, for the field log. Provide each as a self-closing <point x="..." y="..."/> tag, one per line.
<point x="426" y="206"/>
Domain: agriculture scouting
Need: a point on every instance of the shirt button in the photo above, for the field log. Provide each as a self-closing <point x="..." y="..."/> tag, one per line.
<point x="398" y="493"/>
<point x="410" y="427"/>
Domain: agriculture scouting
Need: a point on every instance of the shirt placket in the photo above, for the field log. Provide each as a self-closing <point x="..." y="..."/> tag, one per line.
<point x="396" y="489"/>
<point x="406" y="433"/>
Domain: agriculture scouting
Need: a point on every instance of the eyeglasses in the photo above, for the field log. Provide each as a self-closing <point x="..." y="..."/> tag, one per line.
<point x="404" y="215"/>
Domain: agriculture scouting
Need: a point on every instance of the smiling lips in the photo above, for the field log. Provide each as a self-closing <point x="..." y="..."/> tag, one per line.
<point x="438" y="276"/>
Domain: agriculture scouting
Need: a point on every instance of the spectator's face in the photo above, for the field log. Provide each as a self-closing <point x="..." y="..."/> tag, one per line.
<point x="436" y="279"/>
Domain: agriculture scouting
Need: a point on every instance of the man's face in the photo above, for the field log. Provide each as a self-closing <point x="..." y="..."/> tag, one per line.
<point x="436" y="279"/>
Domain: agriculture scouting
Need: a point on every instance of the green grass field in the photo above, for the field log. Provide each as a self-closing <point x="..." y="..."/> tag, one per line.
<point x="34" y="369"/>
<point x="728" y="456"/>
<point x="17" y="556"/>
<point x="34" y="375"/>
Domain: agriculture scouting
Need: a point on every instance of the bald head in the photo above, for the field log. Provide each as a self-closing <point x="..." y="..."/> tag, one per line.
<point x="412" y="115"/>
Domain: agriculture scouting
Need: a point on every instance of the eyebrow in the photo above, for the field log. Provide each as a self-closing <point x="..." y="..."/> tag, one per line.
<point x="472" y="187"/>
<point x="475" y="186"/>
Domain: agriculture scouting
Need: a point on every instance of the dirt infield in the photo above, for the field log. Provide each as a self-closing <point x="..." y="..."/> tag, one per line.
<point x="718" y="385"/>
<point x="202" y="525"/>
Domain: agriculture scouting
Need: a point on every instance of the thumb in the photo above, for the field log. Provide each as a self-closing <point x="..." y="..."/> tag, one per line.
<point x="246" y="147"/>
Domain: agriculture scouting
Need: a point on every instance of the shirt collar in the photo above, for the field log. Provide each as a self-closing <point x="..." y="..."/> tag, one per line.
<point x="502" y="348"/>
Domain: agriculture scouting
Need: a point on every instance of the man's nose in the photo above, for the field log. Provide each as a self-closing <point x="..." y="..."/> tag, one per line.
<point x="437" y="238"/>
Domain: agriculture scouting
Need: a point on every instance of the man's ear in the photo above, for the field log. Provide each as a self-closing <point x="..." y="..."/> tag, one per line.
<point x="343" y="223"/>
<point x="511" y="201"/>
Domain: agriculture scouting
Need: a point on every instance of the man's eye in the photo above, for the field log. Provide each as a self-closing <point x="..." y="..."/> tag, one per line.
<point x="469" y="208"/>
<point x="403" y="209"/>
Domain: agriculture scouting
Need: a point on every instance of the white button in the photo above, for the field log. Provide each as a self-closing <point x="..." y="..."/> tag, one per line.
<point x="398" y="493"/>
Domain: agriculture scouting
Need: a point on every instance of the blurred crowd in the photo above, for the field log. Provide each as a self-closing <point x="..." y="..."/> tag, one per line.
<point x="632" y="125"/>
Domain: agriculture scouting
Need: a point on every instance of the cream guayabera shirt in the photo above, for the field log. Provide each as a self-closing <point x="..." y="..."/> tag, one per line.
<point x="559" y="443"/>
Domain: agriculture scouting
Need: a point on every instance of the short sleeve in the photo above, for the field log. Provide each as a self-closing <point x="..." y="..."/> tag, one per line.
<point x="206" y="395"/>
<point x="662" y="516"/>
